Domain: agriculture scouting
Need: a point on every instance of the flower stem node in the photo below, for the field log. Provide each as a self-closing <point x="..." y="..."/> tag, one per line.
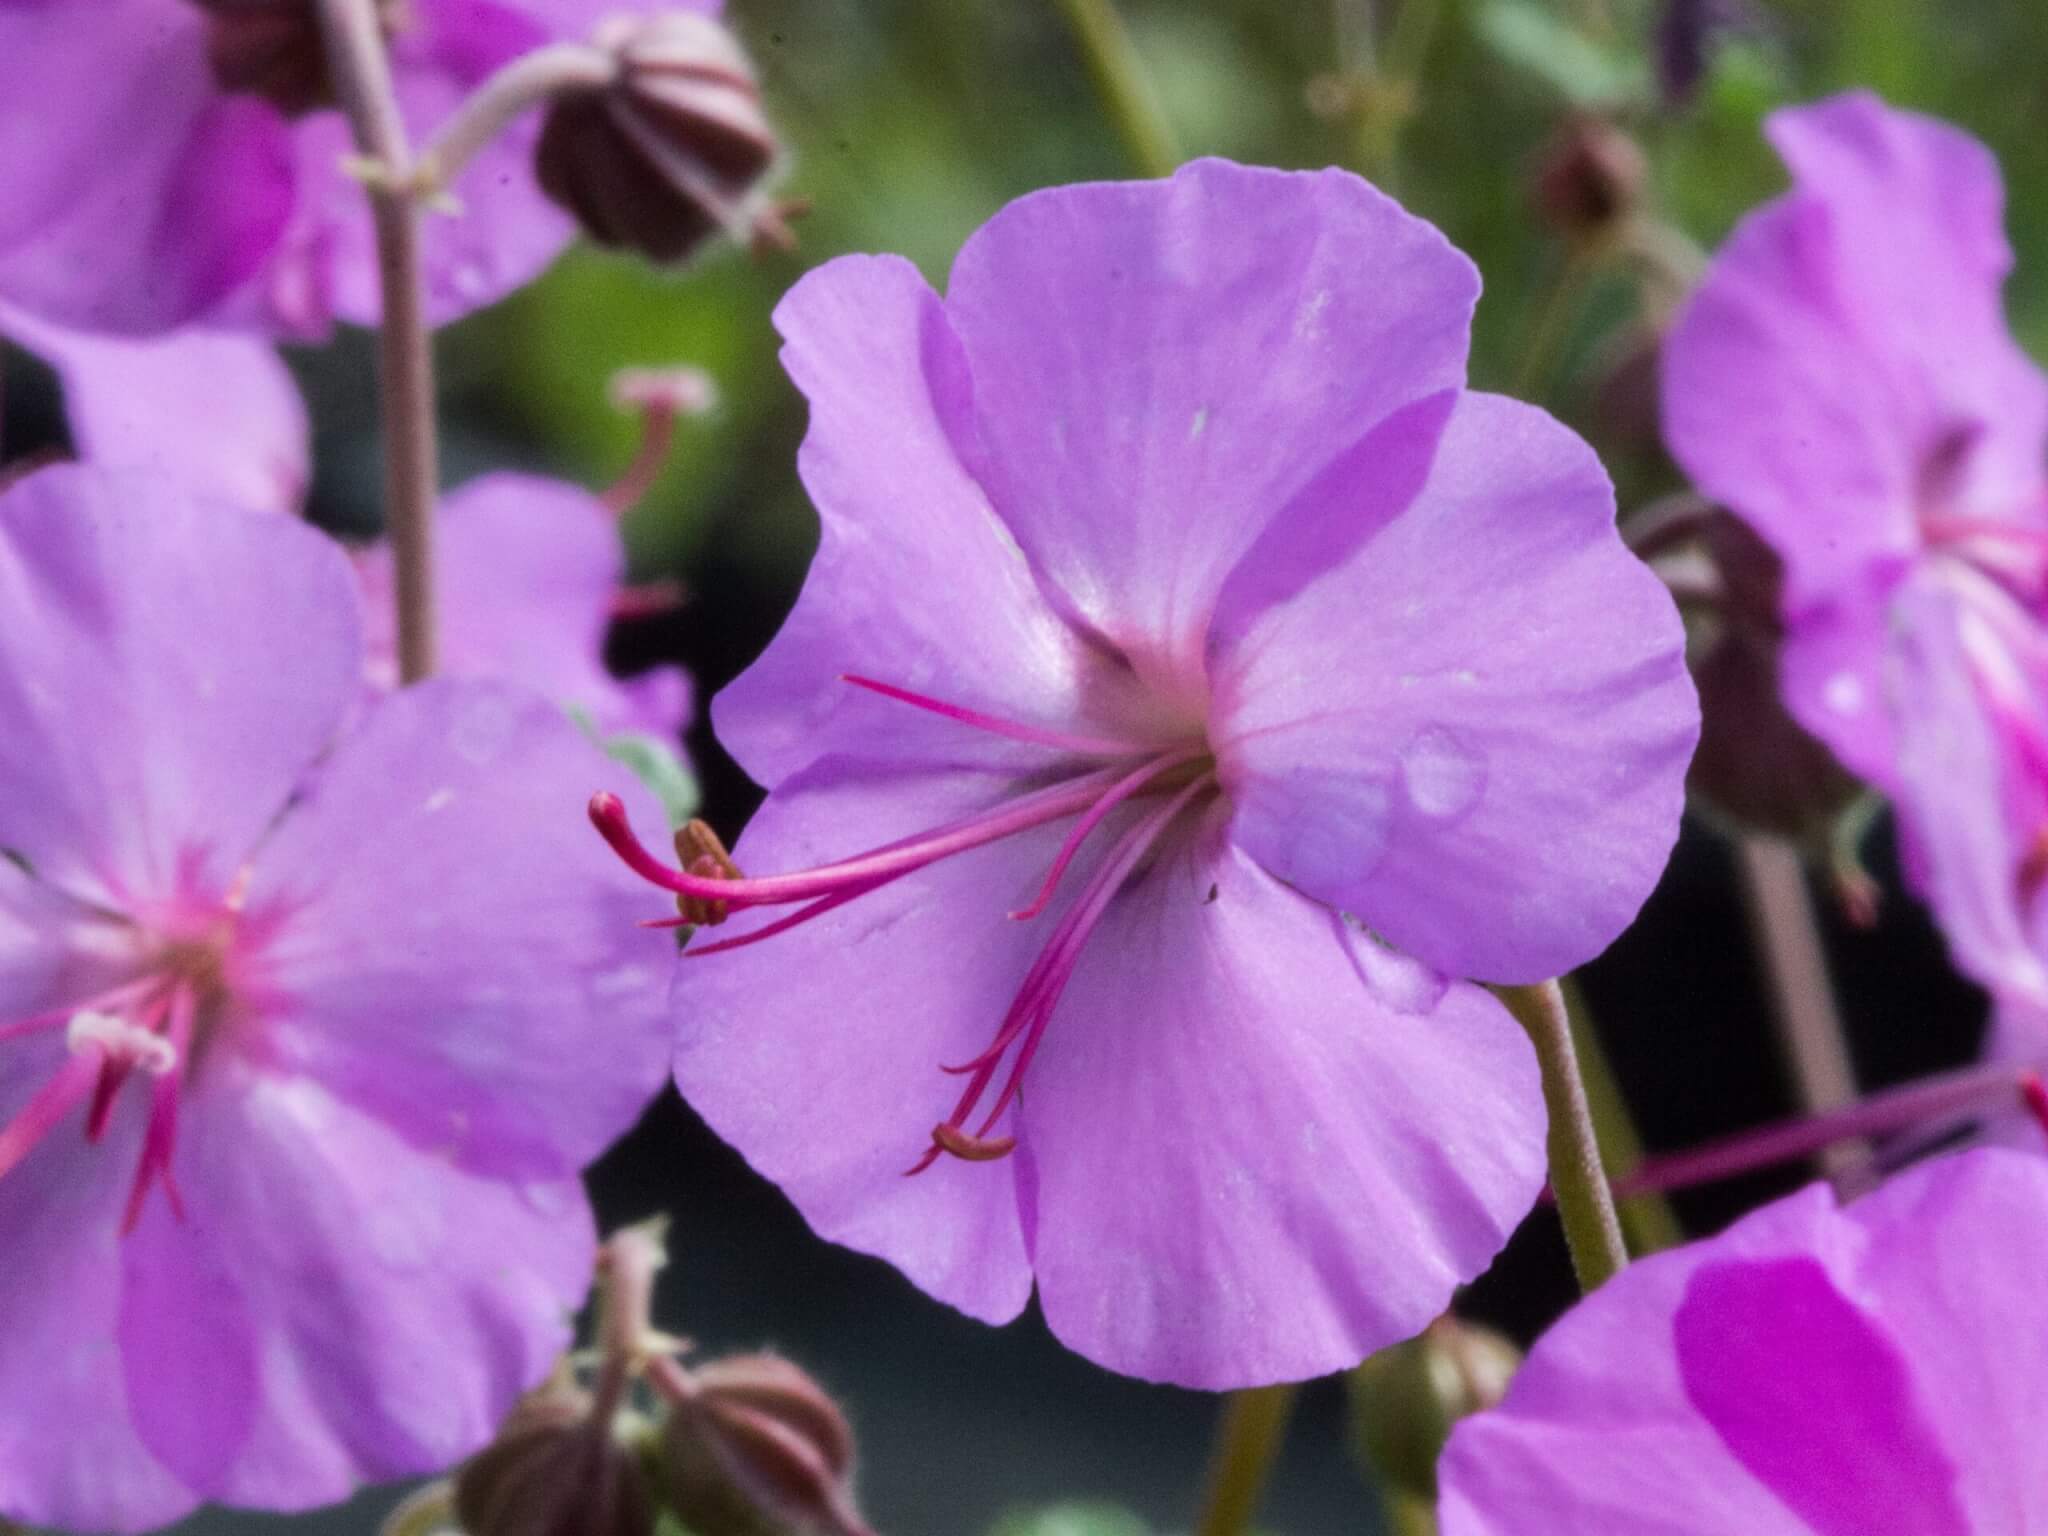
<point x="673" y="150"/>
<point x="755" y="1447"/>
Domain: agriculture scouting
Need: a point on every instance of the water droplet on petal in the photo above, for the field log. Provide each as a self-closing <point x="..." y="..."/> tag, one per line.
<point x="1442" y="775"/>
<point x="1400" y="981"/>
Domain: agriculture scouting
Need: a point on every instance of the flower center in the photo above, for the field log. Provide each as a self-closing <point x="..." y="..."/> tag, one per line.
<point x="146" y="1030"/>
<point x="274" y="49"/>
<point x="1095" y="777"/>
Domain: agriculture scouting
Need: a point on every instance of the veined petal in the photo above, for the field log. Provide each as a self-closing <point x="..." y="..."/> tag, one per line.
<point x="338" y="1306"/>
<point x="1159" y="366"/>
<point x="915" y="583"/>
<point x="449" y="948"/>
<point x="172" y="668"/>
<point x="1246" y="1158"/>
<point x="823" y="1069"/>
<point x="1472" y="732"/>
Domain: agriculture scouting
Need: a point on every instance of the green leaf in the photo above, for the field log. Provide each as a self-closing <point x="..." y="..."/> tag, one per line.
<point x="1584" y="72"/>
<point x="661" y="768"/>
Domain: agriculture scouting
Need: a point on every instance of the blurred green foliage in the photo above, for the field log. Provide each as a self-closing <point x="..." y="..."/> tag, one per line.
<point x="910" y="121"/>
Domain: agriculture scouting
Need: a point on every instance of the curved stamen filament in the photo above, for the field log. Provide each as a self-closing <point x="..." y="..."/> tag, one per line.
<point x="1043" y="987"/>
<point x="1016" y="730"/>
<point x="1121" y="791"/>
<point x="608" y="815"/>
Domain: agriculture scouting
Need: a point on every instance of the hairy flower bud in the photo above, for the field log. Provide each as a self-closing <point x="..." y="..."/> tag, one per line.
<point x="1404" y="1400"/>
<point x="758" y="1449"/>
<point x="554" y="1471"/>
<point x="673" y="150"/>
<point x="1755" y="763"/>
<point x="1590" y="178"/>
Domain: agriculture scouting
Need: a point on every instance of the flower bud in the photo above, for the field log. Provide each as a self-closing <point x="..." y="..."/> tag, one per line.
<point x="758" y="1449"/>
<point x="1755" y="763"/>
<point x="554" y="1471"/>
<point x="673" y="150"/>
<point x="1405" y="1400"/>
<point x="1589" y="179"/>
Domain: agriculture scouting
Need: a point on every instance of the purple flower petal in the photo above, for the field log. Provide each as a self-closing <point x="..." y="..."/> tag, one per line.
<point x="141" y="757"/>
<point x="443" y="918"/>
<point x="1849" y="331"/>
<point x="1816" y="1403"/>
<point x="527" y="571"/>
<point x="1159" y="366"/>
<point x="339" y="1306"/>
<point x="1498" y="789"/>
<point x="157" y="406"/>
<point x="60" y="1297"/>
<point x="915" y="582"/>
<point x="1230" y="1117"/>
<point x="136" y="197"/>
<point x="825" y="1072"/>
<point x="1773" y="1380"/>
<point x="1970" y="812"/>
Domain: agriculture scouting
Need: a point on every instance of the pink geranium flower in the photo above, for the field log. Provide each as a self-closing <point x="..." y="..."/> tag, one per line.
<point x="177" y="160"/>
<point x="1813" y="1371"/>
<point x="1844" y="381"/>
<point x="302" y="1043"/>
<point x="1174" y="601"/>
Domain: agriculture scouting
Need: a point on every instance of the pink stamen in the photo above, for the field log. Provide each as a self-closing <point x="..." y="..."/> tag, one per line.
<point x="1121" y="791"/>
<point x="113" y="1000"/>
<point x="1047" y="982"/>
<point x="795" y="919"/>
<point x="1943" y="529"/>
<point x="648" y="600"/>
<point x="1016" y="730"/>
<point x="608" y="815"/>
<point x="162" y="1134"/>
<point x="1957" y="1093"/>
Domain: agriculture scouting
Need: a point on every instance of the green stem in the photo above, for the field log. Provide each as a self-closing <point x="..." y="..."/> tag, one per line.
<point x="405" y="357"/>
<point x="1409" y="1514"/>
<point x="1591" y="1229"/>
<point x="1553" y="323"/>
<point x="1247" y="1444"/>
<point x="1121" y="80"/>
<point x="1646" y="1219"/>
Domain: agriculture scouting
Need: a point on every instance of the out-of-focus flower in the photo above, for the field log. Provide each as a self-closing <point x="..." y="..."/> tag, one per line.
<point x="528" y="573"/>
<point x="1813" y="1371"/>
<point x="1844" y="382"/>
<point x="1589" y="180"/>
<point x="210" y="411"/>
<point x="531" y="571"/>
<point x="177" y="160"/>
<point x="1144" y="611"/>
<point x="302" y="1043"/>
<point x="674" y="150"/>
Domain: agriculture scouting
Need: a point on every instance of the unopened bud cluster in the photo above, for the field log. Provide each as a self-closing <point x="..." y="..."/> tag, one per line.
<point x="673" y="151"/>
<point x="745" y="1446"/>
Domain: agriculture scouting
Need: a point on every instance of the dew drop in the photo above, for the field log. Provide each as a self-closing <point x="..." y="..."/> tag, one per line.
<point x="1443" y="777"/>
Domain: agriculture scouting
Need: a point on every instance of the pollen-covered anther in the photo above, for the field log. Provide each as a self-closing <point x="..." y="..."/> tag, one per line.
<point x="968" y="1148"/>
<point x="122" y="1043"/>
<point x="701" y="853"/>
